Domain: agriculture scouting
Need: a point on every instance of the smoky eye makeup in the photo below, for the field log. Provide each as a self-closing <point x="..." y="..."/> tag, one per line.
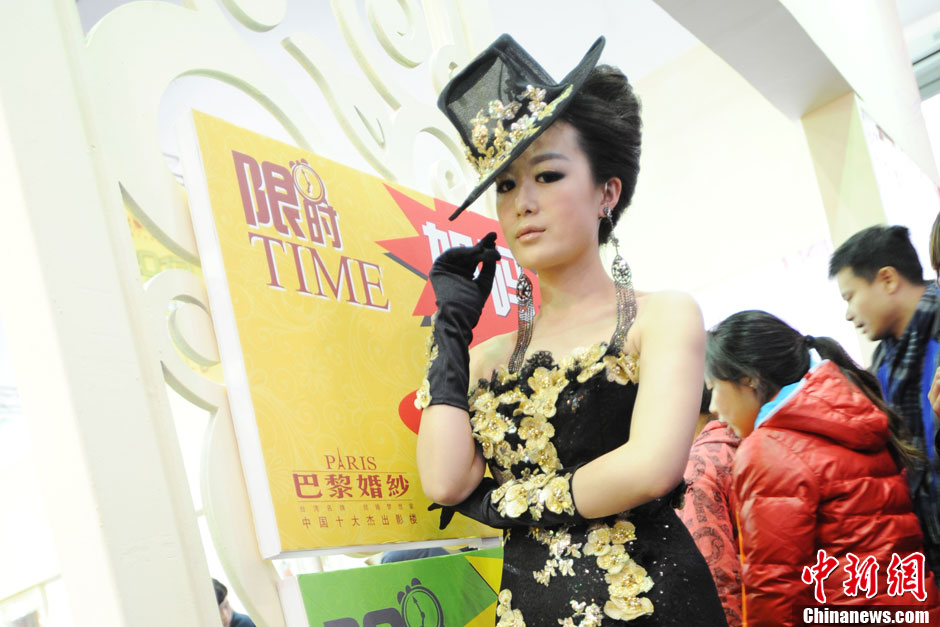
<point x="504" y="185"/>
<point x="549" y="176"/>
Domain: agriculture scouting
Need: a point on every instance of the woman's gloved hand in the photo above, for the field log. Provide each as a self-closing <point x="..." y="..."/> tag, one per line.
<point x="460" y="300"/>
<point x="541" y="500"/>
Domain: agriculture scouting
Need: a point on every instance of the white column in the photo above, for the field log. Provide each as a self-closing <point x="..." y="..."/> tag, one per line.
<point x="865" y="41"/>
<point x="91" y="386"/>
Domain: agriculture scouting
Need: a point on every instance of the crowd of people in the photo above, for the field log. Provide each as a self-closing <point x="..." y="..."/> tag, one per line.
<point x="815" y="487"/>
<point x="838" y="460"/>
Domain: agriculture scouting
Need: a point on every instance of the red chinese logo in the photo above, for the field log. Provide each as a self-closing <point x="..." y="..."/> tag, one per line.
<point x="903" y="574"/>
<point x="862" y="575"/>
<point x="817" y="574"/>
<point x="907" y="575"/>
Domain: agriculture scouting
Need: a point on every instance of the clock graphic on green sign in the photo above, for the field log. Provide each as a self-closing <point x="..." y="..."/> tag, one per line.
<point x="419" y="606"/>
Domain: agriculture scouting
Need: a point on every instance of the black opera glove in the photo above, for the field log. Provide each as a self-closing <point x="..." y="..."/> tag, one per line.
<point x="460" y="300"/>
<point x="541" y="500"/>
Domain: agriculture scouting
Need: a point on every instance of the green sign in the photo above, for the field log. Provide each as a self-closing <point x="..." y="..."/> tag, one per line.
<point x="450" y="590"/>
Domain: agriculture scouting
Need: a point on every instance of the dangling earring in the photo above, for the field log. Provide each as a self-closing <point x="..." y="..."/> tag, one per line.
<point x="526" y="308"/>
<point x="623" y="283"/>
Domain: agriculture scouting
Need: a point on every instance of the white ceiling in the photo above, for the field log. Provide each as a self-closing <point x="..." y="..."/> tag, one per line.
<point x="640" y="35"/>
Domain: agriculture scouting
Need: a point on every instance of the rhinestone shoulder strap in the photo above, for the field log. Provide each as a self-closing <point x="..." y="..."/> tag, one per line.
<point x="626" y="311"/>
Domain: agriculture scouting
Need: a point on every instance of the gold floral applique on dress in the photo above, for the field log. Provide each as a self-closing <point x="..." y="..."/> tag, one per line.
<point x="490" y="427"/>
<point x="423" y="398"/>
<point x="562" y="550"/>
<point x="503" y="376"/>
<point x="587" y="615"/>
<point x="626" y="579"/>
<point x="508" y="617"/>
<point x="623" y="369"/>
<point x="512" y="419"/>
<point x="535" y="494"/>
<point x="588" y="361"/>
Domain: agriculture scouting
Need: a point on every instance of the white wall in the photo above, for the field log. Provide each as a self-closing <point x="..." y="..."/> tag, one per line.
<point x="727" y="205"/>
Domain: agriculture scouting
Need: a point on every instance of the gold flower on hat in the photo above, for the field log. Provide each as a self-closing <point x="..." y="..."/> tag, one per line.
<point x="479" y="136"/>
<point x="491" y="157"/>
<point x="520" y="125"/>
<point x="536" y="98"/>
<point x="500" y="111"/>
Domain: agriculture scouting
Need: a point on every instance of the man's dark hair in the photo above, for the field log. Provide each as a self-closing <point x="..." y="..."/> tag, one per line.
<point x="220" y="590"/>
<point x="871" y="249"/>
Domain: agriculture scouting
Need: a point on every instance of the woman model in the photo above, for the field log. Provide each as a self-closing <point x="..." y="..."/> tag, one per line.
<point x="584" y="415"/>
<point x="825" y="516"/>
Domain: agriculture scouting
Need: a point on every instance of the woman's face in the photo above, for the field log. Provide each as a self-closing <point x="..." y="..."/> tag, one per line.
<point x="548" y="204"/>
<point x="736" y="405"/>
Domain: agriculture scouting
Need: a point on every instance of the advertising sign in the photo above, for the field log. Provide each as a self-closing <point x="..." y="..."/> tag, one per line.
<point x="317" y="282"/>
<point x="453" y="591"/>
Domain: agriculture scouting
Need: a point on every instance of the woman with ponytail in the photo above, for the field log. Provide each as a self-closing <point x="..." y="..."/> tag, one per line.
<point x="817" y="480"/>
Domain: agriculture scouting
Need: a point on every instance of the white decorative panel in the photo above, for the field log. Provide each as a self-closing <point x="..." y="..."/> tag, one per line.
<point x="330" y="75"/>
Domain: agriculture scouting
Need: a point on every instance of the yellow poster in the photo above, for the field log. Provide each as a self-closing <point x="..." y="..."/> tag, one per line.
<point x="317" y="279"/>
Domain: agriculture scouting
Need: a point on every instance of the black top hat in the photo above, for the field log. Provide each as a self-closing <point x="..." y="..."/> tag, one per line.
<point x="502" y="101"/>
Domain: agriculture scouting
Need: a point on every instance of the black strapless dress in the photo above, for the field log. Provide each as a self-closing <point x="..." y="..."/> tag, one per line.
<point x="639" y="567"/>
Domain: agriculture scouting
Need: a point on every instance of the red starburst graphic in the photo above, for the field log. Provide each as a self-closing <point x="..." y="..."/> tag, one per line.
<point x="434" y="234"/>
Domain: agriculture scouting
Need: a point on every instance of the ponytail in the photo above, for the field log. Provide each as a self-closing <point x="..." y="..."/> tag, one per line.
<point x="765" y="349"/>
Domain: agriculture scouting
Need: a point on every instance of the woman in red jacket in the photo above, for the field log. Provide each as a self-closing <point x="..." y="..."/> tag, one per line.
<point x="824" y="512"/>
<point x="707" y="510"/>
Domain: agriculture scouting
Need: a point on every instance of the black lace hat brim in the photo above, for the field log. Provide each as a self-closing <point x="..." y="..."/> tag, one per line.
<point x="505" y="69"/>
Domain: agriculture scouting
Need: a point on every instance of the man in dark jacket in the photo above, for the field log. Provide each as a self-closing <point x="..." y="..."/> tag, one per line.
<point x="230" y="618"/>
<point x="881" y="279"/>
